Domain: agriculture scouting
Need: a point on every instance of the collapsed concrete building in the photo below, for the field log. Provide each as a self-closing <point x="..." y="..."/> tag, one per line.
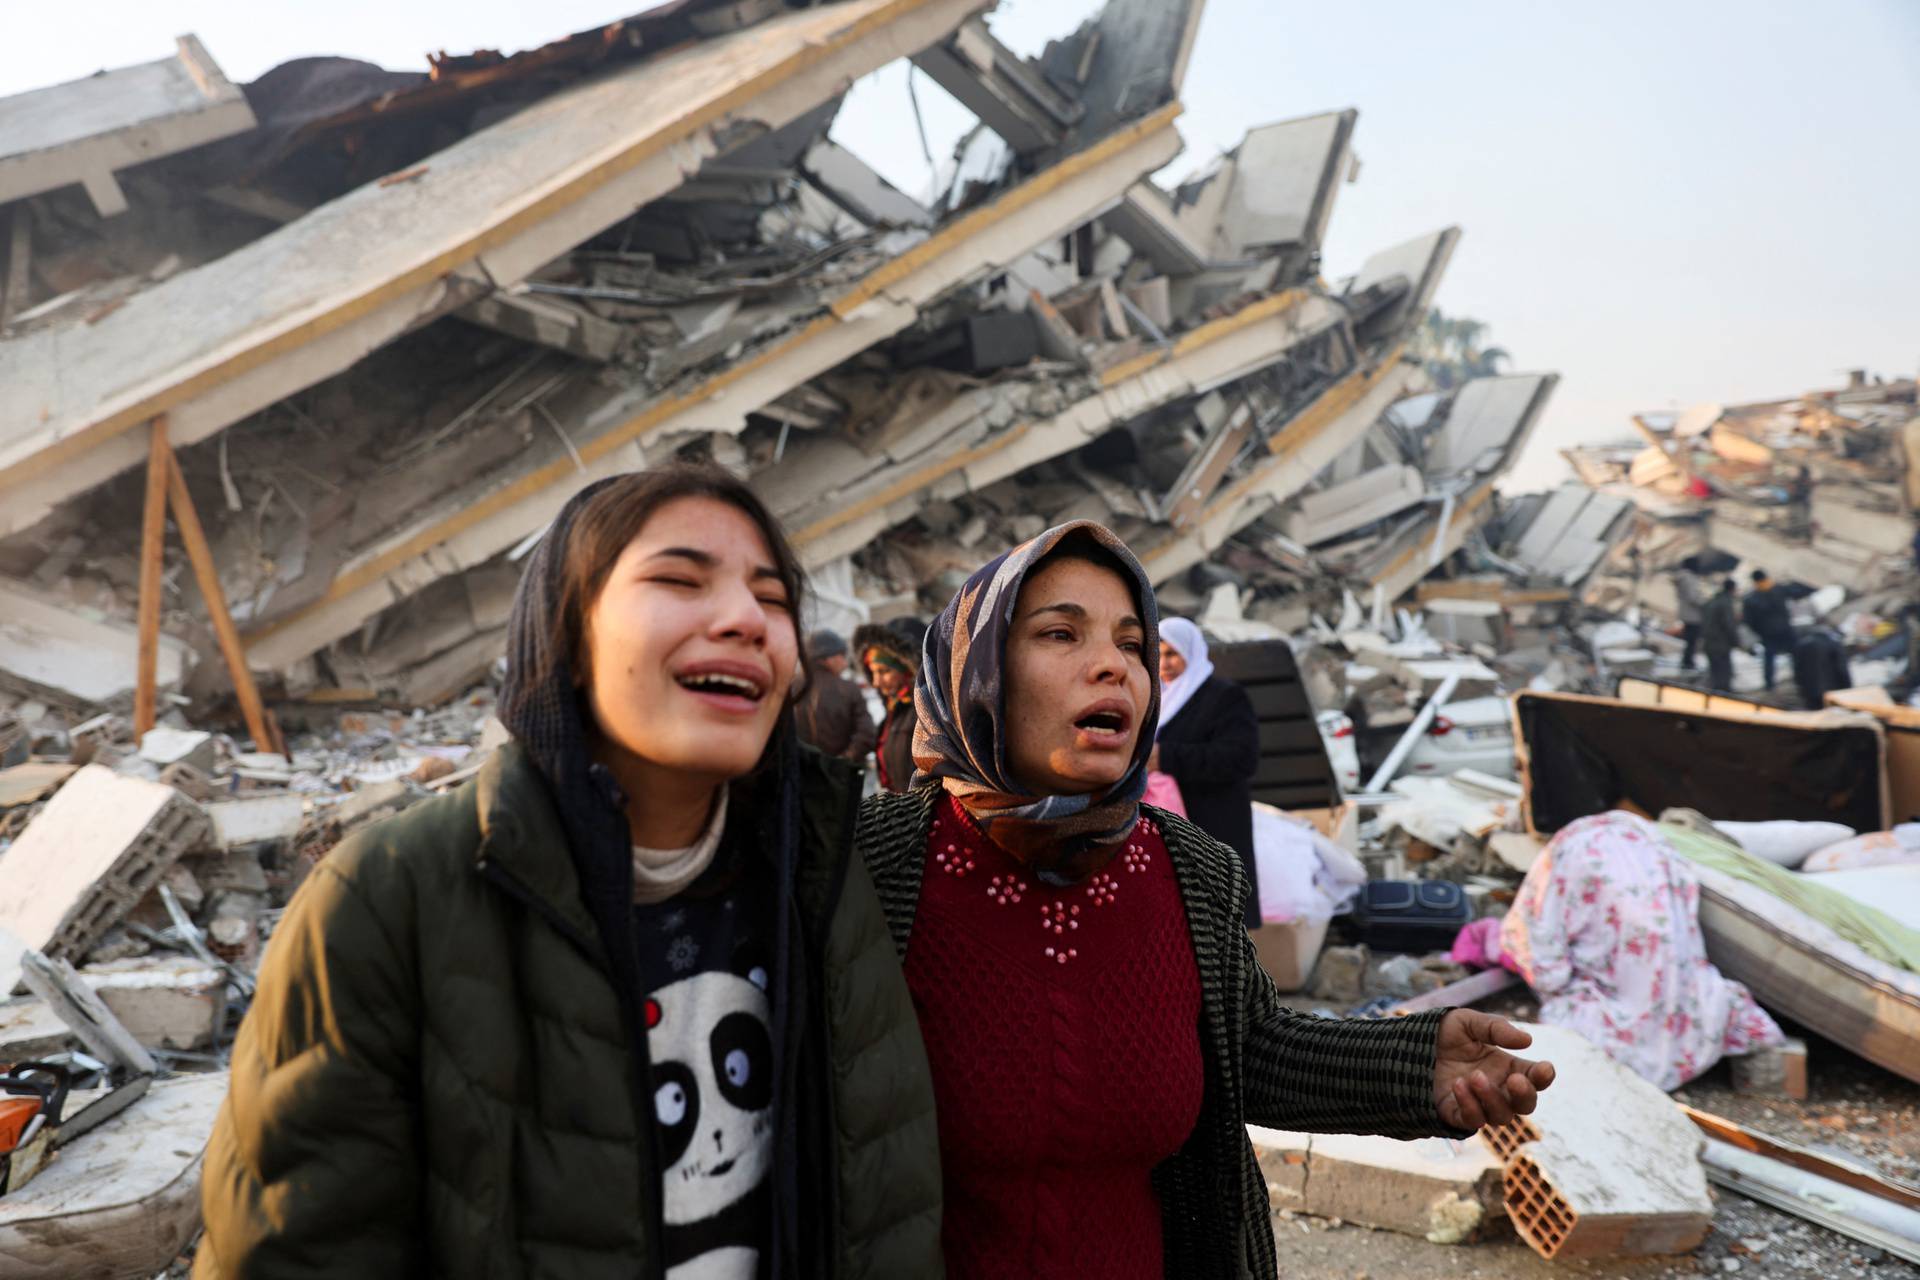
<point x="391" y="322"/>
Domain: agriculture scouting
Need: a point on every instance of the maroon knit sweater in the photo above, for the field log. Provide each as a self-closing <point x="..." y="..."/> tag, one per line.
<point x="1063" y="1030"/>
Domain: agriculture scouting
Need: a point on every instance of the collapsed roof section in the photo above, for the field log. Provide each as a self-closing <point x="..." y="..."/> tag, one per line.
<point x="590" y="257"/>
<point x="82" y="131"/>
<point x="224" y="340"/>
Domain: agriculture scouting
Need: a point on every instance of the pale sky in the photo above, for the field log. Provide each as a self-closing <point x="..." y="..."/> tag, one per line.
<point x="1664" y="202"/>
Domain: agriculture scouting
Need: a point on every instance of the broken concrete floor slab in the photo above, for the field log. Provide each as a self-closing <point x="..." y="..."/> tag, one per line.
<point x="1442" y="1191"/>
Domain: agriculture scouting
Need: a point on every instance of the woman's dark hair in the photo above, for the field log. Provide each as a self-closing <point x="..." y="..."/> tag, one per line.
<point x="614" y="517"/>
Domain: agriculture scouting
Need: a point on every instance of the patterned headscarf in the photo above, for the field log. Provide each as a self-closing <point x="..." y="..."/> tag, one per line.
<point x="961" y="742"/>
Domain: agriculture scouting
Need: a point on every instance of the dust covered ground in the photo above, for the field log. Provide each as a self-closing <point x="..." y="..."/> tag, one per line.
<point x="1854" y="1111"/>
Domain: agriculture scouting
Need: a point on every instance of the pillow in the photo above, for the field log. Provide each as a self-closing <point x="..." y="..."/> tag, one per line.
<point x="1874" y="849"/>
<point x="1785" y="844"/>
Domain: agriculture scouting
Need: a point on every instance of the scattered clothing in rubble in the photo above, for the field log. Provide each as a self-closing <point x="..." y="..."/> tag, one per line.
<point x="1303" y="875"/>
<point x="1783" y="842"/>
<point x="891" y="661"/>
<point x="1479" y="946"/>
<point x="1210" y="744"/>
<point x="1164" y="793"/>
<point x="1606" y="930"/>
<point x="1874" y="849"/>
<point x="1872" y="930"/>
<point x="1820" y="666"/>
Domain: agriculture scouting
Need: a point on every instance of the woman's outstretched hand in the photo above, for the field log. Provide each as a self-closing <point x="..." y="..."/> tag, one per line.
<point x="1476" y="1080"/>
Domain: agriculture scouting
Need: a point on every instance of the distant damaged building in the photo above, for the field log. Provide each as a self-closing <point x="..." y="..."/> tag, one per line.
<point x="391" y="322"/>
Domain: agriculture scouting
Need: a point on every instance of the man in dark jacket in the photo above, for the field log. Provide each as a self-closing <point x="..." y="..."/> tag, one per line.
<point x="1719" y="636"/>
<point x="1766" y="615"/>
<point x="1820" y="666"/>
<point x="833" y="715"/>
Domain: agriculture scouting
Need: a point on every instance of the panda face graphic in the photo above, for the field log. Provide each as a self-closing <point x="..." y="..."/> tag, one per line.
<point x="712" y="1090"/>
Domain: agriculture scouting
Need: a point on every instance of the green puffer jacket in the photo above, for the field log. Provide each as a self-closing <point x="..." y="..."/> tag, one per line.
<point x="435" y="1078"/>
<point x="1264" y="1063"/>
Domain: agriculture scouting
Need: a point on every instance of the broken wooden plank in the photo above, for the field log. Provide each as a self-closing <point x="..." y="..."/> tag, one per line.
<point x="266" y="734"/>
<point x="153" y="545"/>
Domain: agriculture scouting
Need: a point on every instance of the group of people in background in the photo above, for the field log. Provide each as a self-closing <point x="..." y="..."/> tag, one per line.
<point x="1712" y="624"/>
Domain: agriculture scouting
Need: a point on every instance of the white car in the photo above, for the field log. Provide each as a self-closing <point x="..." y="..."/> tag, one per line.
<point x="1474" y="734"/>
<point x="1343" y="749"/>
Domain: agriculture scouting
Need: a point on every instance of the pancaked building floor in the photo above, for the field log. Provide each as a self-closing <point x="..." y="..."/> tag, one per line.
<point x="385" y="324"/>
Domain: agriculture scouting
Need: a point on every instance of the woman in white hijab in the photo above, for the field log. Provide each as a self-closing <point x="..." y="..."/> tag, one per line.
<point x="1209" y="743"/>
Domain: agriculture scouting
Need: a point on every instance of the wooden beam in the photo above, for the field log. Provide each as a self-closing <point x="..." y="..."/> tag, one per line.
<point x="260" y="725"/>
<point x="153" y="542"/>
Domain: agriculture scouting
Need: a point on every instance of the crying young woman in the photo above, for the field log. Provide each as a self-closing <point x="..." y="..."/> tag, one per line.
<point x="621" y="1005"/>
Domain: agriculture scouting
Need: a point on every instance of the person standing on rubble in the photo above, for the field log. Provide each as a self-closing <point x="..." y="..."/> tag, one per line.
<point x="588" y="1015"/>
<point x="833" y="715"/>
<point x="1209" y="743"/>
<point x="891" y="659"/>
<point x="1688" y="588"/>
<point x="1095" y="1077"/>
<point x="1766" y="614"/>
<point x="1720" y="636"/>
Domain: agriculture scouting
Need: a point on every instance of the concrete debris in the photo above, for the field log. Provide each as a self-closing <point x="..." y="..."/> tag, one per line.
<point x="1442" y="1191"/>
<point x="100" y="844"/>
<point x="906" y="381"/>
<point x="1608" y="1166"/>
<point x="391" y="322"/>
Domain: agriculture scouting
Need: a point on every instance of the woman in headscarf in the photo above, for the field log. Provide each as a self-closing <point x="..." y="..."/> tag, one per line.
<point x="891" y="660"/>
<point x="1099" y="1029"/>
<point x="623" y="1005"/>
<point x="1209" y="743"/>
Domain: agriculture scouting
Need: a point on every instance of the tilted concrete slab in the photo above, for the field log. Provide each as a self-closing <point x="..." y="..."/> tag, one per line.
<point x="49" y="649"/>
<point x="100" y="844"/>
<point x="83" y="130"/>
<point x="1212" y="355"/>
<point x="1420" y="262"/>
<point x="224" y="340"/>
<point x="1339" y="509"/>
<point x="1277" y="188"/>
<point x="468" y="526"/>
<point x="1489" y="418"/>
<point x="1298" y="452"/>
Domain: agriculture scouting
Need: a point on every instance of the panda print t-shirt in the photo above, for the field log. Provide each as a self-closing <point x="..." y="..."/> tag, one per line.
<point x="704" y="957"/>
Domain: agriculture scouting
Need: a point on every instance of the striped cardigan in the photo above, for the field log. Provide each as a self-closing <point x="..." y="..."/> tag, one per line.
<point x="1265" y="1064"/>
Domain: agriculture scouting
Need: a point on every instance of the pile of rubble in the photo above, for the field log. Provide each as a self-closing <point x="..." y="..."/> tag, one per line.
<point x="362" y="333"/>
